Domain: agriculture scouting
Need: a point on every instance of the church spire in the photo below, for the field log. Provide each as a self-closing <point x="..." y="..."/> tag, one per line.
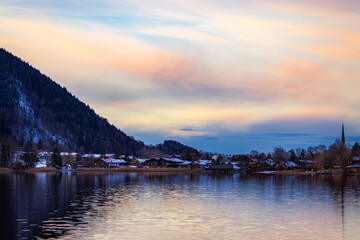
<point x="342" y="135"/>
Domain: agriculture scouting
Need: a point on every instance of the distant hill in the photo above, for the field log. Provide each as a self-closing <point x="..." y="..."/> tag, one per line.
<point x="174" y="147"/>
<point x="34" y="108"/>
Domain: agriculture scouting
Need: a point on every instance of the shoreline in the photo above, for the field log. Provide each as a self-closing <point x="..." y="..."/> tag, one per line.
<point x="133" y="169"/>
<point x="163" y="170"/>
<point x="108" y="170"/>
<point x="335" y="172"/>
<point x="289" y="172"/>
<point x="6" y="170"/>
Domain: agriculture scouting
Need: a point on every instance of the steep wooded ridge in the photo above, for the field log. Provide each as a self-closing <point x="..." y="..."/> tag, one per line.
<point x="34" y="108"/>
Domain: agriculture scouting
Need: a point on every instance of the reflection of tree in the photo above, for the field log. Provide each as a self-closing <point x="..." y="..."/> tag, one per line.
<point x="343" y="189"/>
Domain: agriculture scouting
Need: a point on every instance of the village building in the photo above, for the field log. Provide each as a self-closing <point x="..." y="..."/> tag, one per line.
<point x="100" y="163"/>
<point x="115" y="163"/>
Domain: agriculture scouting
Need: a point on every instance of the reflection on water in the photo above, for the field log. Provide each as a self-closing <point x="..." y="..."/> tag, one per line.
<point x="178" y="206"/>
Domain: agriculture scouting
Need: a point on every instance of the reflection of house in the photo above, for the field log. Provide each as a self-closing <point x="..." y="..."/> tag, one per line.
<point x="222" y="167"/>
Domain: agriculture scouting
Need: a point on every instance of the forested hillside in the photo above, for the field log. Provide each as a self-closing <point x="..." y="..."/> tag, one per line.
<point x="35" y="109"/>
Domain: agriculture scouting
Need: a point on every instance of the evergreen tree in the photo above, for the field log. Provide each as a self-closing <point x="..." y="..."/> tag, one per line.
<point x="355" y="150"/>
<point x="127" y="158"/>
<point x="78" y="158"/>
<point x="206" y="156"/>
<point x="5" y="152"/>
<point x="117" y="153"/>
<point x="292" y="155"/>
<point x="102" y="154"/>
<point x="56" y="157"/>
<point x="302" y="154"/>
<point x="29" y="156"/>
<point x="40" y="145"/>
<point x="136" y="154"/>
<point x="187" y="156"/>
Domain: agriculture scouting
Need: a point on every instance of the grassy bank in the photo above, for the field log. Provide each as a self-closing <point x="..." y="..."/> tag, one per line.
<point x="93" y="169"/>
<point x="82" y="169"/>
<point x="5" y="170"/>
<point x="44" y="169"/>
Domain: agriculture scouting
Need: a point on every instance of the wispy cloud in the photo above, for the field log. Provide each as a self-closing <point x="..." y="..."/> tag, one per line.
<point x="192" y="69"/>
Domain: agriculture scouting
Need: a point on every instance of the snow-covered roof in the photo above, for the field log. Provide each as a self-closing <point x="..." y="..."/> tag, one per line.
<point x="203" y="162"/>
<point x="306" y="161"/>
<point x="113" y="160"/>
<point x="91" y="155"/>
<point x="290" y="164"/>
<point x="67" y="154"/>
<point x="354" y="166"/>
<point x="40" y="164"/>
<point x="97" y="155"/>
<point x="270" y="162"/>
<point x="184" y="163"/>
<point x="43" y="154"/>
<point x="142" y="160"/>
<point x="175" y="160"/>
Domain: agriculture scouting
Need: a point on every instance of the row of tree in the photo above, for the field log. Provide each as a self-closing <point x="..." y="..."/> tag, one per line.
<point x="337" y="154"/>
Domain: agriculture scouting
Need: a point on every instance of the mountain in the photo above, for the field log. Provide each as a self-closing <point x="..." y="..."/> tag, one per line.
<point x="34" y="108"/>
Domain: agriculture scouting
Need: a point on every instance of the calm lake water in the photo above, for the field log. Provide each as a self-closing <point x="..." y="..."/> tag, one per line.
<point x="178" y="206"/>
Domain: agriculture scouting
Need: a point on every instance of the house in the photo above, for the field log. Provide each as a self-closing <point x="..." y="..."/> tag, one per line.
<point x="115" y="163"/>
<point x="186" y="163"/>
<point x="173" y="162"/>
<point x="309" y="164"/>
<point x="290" y="165"/>
<point x="156" y="162"/>
<point x="355" y="160"/>
<point x="99" y="162"/>
<point x="355" y="168"/>
<point x="139" y="162"/>
<point x="252" y="165"/>
<point x="355" y="165"/>
<point x="44" y="159"/>
<point x="270" y="162"/>
<point x="204" y="163"/>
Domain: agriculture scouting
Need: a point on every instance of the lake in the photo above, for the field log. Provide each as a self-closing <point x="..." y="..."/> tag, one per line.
<point x="178" y="206"/>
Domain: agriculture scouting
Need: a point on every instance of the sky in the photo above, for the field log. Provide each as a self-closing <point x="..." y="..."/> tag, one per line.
<point x="221" y="76"/>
